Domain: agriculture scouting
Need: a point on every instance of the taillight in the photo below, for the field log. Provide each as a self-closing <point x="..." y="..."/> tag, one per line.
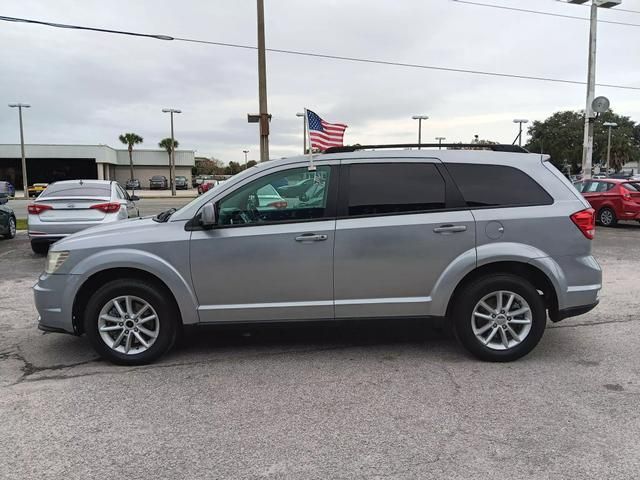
<point x="585" y="220"/>
<point x="107" y="207"/>
<point x="37" y="208"/>
<point x="278" y="204"/>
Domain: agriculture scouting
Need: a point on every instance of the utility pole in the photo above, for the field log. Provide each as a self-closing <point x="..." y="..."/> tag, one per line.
<point x="420" y="118"/>
<point x="519" y="121"/>
<point x="440" y="139"/>
<point x="25" y="181"/>
<point x="304" y="132"/>
<point x="172" y="167"/>
<point x="589" y="116"/>
<point x="245" y="158"/>
<point x="610" y="125"/>
<point x="262" y="86"/>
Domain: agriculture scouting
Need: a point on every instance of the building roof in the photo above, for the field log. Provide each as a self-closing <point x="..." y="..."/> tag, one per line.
<point x="99" y="153"/>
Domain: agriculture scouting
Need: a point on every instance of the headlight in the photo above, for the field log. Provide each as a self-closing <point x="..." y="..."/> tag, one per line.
<point x="55" y="261"/>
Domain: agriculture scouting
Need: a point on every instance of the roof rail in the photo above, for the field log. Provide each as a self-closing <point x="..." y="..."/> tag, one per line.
<point x="448" y="146"/>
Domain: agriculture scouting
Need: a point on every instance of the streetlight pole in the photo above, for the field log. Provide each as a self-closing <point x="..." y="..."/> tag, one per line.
<point x="519" y="121"/>
<point x="589" y="115"/>
<point x="440" y="139"/>
<point x="420" y="118"/>
<point x="245" y="158"/>
<point x="25" y="181"/>
<point x="610" y="125"/>
<point x="262" y="86"/>
<point x="304" y="132"/>
<point x="172" y="167"/>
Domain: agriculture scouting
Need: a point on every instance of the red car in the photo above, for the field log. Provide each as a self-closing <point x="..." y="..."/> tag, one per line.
<point x="612" y="199"/>
<point x="206" y="185"/>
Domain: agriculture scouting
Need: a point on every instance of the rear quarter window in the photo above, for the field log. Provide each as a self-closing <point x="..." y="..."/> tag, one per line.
<point x="497" y="186"/>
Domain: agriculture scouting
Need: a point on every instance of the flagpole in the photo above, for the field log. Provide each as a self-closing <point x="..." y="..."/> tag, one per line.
<point x="312" y="167"/>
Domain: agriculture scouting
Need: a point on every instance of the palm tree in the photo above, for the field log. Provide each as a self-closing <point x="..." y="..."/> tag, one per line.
<point x="166" y="144"/>
<point x="131" y="139"/>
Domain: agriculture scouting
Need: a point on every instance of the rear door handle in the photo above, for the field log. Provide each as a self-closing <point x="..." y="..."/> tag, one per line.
<point x="450" y="228"/>
<point x="311" y="237"/>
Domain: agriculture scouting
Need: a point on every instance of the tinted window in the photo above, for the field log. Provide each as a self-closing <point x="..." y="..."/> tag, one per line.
<point x="158" y="178"/>
<point x="382" y="188"/>
<point x="270" y="198"/>
<point x="579" y="186"/>
<point x="632" y="187"/>
<point x="77" y="190"/>
<point x="497" y="185"/>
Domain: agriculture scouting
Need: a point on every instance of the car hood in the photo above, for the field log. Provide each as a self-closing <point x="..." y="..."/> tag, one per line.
<point x="113" y="235"/>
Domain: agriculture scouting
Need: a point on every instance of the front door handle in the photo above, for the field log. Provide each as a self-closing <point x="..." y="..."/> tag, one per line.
<point x="450" y="228"/>
<point x="311" y="237"/>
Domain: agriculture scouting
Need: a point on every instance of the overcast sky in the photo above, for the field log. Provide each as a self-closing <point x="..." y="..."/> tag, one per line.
<point x="87" y="87"/>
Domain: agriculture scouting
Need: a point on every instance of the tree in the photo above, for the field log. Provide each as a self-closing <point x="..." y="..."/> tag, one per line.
<point x="130" y="139"/>
<point x="233" y="168"/>
<point x="208" y="166"/>
<point x="166" y="144"/>
<point x="561" y="136"/>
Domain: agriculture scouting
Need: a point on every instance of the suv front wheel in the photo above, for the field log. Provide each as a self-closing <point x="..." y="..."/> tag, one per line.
<point x="499" y="318"/>
<point x="130" y="322"/>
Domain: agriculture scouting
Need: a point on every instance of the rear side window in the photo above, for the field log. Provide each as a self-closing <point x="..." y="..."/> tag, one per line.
<point x="497" y="186"/>
<point x="380" y="188"/>
<point x="77" y="190"/>
<point x="632" y="187"/>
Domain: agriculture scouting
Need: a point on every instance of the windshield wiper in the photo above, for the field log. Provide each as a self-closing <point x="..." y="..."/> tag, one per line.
<point x="164" y="216"/>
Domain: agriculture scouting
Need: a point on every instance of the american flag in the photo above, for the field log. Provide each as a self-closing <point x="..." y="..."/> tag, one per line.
<point x="324" y="134"/>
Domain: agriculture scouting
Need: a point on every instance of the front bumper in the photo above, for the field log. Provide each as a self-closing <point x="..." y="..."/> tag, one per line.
<point x="54" y="296"/>
<point x="575" y="311"/>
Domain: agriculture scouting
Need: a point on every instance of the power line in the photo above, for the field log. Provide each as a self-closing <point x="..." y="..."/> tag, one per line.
<point x="320" y="55"/>
<point x="618" y="9"/>
<point x="538" y="12"/>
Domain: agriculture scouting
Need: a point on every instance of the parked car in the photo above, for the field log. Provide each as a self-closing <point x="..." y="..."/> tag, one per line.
<point x="206" y="185"/>
<point x="182" y="183"/>
<point x="36" y="189"/>
<point x="69" y="206"/>
<point x="494" y="241"/>
<point x="133" y="184"/>
<point x="599" y="175"/>
<point x="197" y="180"/>
<point x="7" y="218"/>
<point x="7" y="189"/>
<point x="158" y="182"/>
<point x="612" y="199"/>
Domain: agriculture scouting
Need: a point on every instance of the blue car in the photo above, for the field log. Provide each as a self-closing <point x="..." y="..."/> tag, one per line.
<point x="7" y="189"/>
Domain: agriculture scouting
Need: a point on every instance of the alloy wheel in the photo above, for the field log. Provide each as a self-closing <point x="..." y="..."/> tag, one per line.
<point x="12" y="227"/>
<point x="128" y="324"/>
<point x="501" y="320"/>
<point x="606" y="217"/>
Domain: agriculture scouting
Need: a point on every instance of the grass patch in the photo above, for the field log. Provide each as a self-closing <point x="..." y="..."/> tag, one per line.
<point x="21" y="224"/>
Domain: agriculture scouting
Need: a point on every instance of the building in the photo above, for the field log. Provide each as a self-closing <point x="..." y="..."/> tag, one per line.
<point x="48" y="163"/>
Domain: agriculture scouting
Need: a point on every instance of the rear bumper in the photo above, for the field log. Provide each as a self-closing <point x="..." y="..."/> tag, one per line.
<point x="575" y="311"/>
<point x="52" y="231"/>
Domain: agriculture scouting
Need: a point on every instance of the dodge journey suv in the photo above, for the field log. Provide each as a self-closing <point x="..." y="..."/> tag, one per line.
<point x="494" y="241"/>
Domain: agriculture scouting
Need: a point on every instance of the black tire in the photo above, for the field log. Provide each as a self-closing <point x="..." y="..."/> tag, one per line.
<point x="156" y="296"/>
<point x="472" y="294"/>
<point x="12" y="228"/>
<point x="607" y="217"/>
<point x="40" y="248"/>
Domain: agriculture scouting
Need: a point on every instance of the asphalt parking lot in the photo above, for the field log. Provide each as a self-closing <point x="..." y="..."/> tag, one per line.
<point x="384" y="400"/>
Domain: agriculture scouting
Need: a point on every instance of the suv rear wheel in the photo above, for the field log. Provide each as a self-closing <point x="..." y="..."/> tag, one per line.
<point x="607" y="217"/>
<point x="499" y="318"/>
<point x="130" y="322"/>
<point x="39" y="248"/>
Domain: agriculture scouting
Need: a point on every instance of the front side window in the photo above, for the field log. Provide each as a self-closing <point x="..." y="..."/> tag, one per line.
<point x="497" y="186"/>
<point x="388" y="188"/>
<point x="285" y="196"/>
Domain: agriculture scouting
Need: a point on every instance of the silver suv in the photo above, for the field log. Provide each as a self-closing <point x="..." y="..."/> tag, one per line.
<point x="494" y="241"/>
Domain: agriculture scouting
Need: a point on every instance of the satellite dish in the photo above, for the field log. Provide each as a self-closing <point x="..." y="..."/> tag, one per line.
<point x="600" y="104"/>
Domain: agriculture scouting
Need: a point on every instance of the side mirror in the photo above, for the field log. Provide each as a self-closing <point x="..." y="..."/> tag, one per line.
<point x="208" y="216"/>
<point x="134" y="198"/>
